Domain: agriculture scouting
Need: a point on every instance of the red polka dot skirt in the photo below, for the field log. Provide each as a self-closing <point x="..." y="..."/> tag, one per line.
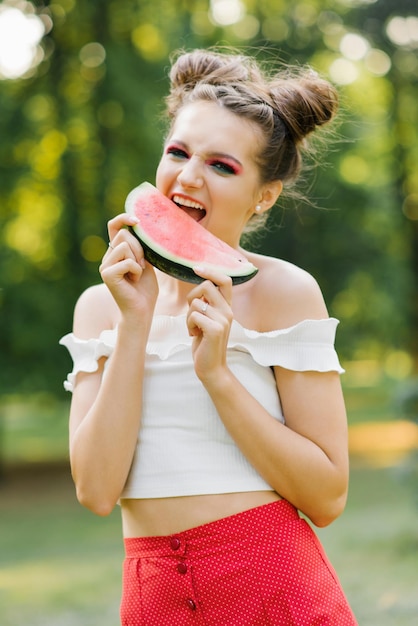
<point x="262" y="567"/>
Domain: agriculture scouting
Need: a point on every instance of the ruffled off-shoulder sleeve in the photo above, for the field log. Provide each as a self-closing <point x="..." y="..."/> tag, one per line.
<point x="307" y="346"/>
<point x="85" y="353"/>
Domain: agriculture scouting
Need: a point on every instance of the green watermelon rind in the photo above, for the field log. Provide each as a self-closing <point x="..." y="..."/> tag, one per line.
<point x="178" y="267"/>
<point x="181" y="271"/>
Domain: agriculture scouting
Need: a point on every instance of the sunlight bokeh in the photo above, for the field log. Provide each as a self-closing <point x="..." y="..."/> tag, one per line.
<point x="21" y="32"/>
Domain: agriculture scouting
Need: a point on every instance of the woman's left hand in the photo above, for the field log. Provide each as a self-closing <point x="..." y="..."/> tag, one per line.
<point x="209" y="321"/>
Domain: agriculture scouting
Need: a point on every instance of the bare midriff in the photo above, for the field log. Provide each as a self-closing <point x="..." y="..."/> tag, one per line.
<point x="165" y="516"/>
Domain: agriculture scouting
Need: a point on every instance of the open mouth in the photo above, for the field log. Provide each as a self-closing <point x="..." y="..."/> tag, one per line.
<point x="191" y="207"/>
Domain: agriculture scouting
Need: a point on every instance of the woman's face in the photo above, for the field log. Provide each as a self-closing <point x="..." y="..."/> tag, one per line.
<point x="208" y="168"/>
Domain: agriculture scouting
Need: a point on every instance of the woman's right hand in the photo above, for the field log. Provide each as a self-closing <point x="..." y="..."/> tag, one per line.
<point x="129" y="277"/>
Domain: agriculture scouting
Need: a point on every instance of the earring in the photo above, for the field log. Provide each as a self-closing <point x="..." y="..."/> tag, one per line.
<point x="258" y="208"/>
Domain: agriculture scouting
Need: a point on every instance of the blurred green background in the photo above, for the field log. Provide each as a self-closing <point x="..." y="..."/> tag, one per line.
<point x="81" y="92"/>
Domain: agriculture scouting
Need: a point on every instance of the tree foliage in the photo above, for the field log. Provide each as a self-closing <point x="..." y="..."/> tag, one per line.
<point x="83" y="127"/>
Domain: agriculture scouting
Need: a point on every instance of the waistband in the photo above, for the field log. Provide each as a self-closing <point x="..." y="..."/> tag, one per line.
<point x="220" y="532"/>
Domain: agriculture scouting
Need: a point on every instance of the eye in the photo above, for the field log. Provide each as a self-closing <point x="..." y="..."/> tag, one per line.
<point x="177" y="152"/>
<point x="223" y="168"/>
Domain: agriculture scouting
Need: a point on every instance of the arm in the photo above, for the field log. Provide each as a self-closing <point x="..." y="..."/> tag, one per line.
<point x="306" y="460"/>
<point x="105" y="411"/>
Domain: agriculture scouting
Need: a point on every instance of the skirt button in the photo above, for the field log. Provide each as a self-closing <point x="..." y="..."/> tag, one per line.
<point x="175" y="543"/>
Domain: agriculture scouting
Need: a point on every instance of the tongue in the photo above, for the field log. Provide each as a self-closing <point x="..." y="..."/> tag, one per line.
<point x="196" y="214"/>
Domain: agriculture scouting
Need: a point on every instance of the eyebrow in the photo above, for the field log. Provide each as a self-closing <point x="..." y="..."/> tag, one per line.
<point x="210" y="155"/>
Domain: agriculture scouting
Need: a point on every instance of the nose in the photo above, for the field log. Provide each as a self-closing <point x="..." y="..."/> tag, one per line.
<point x="191" y="174"/>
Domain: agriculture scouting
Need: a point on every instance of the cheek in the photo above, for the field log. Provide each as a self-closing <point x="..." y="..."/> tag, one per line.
<point x="161" y="174"/>
<point x="167" y="169"/>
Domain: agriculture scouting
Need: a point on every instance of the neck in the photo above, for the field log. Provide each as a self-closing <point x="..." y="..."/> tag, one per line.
<point x="172" y="299"/>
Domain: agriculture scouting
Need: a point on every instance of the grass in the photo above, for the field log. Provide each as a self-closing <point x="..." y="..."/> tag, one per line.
<point x="33" y="429"/>
<point x="374" y="548"/>
<point x="61" y="566"/>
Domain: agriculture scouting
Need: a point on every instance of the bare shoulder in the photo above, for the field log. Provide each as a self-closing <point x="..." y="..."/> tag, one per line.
<point x="94" y="312"/>
<point x="287" y="294"/>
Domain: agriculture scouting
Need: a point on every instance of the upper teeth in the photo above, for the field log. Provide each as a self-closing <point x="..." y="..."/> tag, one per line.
<point x="185" y="202"/>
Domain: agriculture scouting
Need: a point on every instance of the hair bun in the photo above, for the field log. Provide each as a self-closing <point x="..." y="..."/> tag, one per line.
<point x="197" y="66"/>
<point x="304" y="102"/>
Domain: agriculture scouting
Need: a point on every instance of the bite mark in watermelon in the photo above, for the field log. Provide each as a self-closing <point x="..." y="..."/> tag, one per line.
<point x="175" y="243"/>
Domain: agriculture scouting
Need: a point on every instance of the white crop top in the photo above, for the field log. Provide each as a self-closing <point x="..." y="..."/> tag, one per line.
<point x="183" y="448"/>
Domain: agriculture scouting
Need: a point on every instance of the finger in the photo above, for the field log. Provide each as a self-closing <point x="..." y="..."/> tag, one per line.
<point x="123" y="245"/>
<point x="200" y="309"/>
<point x="116" y="224"/>
<point x="208" y="317"/>
<point x="204" y="305"/>
<point x="218" y="279"/>
<point x="200" y="318"/>
<point x="212" y="294"/>
<point x="125" y="268"/>
<point x="209" y="303"/>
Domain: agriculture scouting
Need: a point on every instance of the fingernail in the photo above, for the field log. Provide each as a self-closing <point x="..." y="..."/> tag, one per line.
<point x="132" y="219"/>
<point x="198" y="268"/>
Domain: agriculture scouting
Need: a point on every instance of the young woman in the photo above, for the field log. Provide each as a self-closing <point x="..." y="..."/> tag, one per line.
<point x="213" y="413"/>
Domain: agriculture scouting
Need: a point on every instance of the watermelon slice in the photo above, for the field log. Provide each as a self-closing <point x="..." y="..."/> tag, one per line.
<point x="174" y="242"/>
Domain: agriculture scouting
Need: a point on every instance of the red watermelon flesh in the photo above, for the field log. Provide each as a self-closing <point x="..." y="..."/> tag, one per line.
<point x="175" y="243"/>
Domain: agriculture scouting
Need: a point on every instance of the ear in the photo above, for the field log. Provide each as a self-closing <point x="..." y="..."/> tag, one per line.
<point x="269" y="194"/>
